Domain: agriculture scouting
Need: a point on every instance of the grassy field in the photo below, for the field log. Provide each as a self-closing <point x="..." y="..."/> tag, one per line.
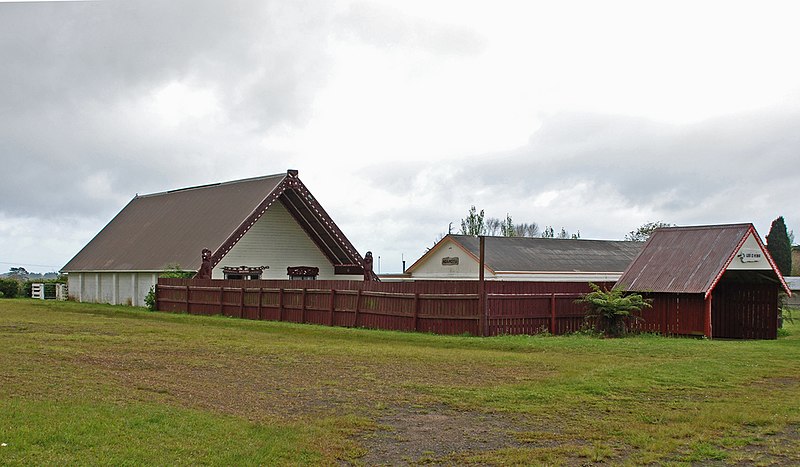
<point x="96" y="384"/>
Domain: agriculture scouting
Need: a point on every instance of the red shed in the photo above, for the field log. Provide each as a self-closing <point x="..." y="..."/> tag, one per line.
<point x="715" y="280"/>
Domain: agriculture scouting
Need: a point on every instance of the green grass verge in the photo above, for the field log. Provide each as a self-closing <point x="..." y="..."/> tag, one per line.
<point x="89" y="384"/>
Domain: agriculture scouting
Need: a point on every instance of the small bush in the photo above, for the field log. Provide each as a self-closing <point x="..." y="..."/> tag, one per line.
<point x="150" y="298"/>
<point x="610" y="309"/>
<point x="174" y="271"/>
<point x="9" y="288"/>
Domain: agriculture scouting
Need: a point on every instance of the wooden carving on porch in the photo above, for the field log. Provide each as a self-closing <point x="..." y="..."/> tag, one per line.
<point x="369" y="275"/>
<point x="205" y="268"/>
<point x="302" y="271"/>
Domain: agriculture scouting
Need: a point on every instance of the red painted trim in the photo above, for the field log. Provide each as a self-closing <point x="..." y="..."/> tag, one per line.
<point x="751" y="230"/>
<point x="727" y="263"/>
<point x="247" y="224"/>
<point x="707" y="330"/>
<point x="290" y="181"/>
<point x="436" y="247"/>
<point x="772" y="263"/>
<point x="305" y="195"/>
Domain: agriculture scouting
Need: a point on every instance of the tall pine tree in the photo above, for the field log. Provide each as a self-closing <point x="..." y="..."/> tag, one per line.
<point x="779" y="246"/>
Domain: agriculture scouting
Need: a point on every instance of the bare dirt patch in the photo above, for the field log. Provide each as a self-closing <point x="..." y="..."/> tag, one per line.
<point x="437" y="434"/>
<point x="269" y="385"/>
<point x="778" y="448"/>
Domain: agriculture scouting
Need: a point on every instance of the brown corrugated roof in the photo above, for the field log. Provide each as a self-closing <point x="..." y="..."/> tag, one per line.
<point x="527" y="254"/>
<point x="685" y="259"/>
<point x="162" y="229"/>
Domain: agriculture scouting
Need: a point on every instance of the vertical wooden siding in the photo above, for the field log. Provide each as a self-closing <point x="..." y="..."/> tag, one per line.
<point x="673" y="314"/>
<point x="744" y="311"/>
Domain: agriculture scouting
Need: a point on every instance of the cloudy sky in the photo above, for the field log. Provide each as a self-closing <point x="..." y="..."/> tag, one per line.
<point x="592" y="116"/>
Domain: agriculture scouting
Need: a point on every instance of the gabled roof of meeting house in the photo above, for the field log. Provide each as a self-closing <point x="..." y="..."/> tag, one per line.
<point x="173" y="227"/>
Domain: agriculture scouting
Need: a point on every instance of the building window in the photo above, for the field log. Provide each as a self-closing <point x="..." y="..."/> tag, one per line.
<point x="245" y="277"/>
<point x="302" y="273"/>
<point x="244" y="273"/>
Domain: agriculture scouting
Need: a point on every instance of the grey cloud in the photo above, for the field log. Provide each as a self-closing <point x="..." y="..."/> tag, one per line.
<point x="721" y="170"/>
<point x="261" y="56"/>
<point x="647" y="161"/>
<point x="386" y="27"/>
<point x="74" y="72"/>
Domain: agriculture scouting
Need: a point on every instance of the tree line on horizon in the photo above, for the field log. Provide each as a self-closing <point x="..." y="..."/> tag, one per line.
<point x="779" y="240"/>
<point x="476" y="223"/>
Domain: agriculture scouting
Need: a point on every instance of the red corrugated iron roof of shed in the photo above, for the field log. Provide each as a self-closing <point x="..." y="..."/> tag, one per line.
<point x="685" y="259"/>
<point x="171" y="228"/>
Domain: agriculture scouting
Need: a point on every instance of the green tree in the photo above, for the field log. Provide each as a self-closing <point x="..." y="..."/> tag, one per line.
<point x="779" y="246"/>
<point x="507" y="227"/>
<point x="9" y="288"/>
<point x="173" y="271"/>
<point x="526" y="230"/>
<point x="477" y="224"/>
<point x="474" y="223"/>
<point x="645" y="230"/>
<point x="492" y="226"/>
<point x="609" y="309"/>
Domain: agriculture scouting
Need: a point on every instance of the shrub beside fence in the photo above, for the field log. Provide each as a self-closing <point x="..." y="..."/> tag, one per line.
<point x="442" y="307"/>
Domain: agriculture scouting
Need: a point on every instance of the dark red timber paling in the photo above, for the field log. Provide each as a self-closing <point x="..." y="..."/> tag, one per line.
<point x="442" y="307"/>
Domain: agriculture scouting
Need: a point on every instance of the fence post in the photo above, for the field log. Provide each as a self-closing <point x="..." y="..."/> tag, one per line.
<point x="155" y="290"/>
<point x="303" y="307"/>
<point x="707" y="318"/>
<point x="553" y="314"/>
<point x="358" y="305"/>
<point x="483" y="320"/>
<point x="416" y="311"/>
<point x="331" y="307"/>
<point x="260" y="293"/>
<point x="241" y="303"/>
<point x="280" y="304"/>
<point x="221" y="306"/>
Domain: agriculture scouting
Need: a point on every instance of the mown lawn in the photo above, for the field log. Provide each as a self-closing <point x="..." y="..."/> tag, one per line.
<point x="97" y="384"/>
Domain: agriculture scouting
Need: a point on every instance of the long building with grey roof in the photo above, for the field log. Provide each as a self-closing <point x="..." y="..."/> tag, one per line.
<point x="525" y="258"/>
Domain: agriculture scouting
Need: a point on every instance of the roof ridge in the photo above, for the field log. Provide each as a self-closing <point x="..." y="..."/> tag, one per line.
<point x="707" y="227"/>
<point x="210" y="185"/>
<point x="542" y="238"/>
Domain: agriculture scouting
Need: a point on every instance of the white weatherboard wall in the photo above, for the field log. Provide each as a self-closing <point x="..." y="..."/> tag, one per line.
<point x="277" y="240"/>
<point x="432" y="268"/>
<point x="116" y="288"/>
<point x="558" y="276"/>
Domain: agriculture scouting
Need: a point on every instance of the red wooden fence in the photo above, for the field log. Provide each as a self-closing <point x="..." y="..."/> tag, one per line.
<point x="442" y="307"/>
